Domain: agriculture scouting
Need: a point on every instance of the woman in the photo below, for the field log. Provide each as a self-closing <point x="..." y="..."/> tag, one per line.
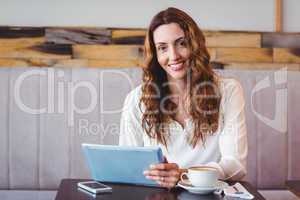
<point x="195" y="116"/>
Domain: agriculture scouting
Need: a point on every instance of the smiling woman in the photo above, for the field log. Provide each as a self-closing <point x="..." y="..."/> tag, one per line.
<point x="194" y="115"/>
<point x="172" y="51"/>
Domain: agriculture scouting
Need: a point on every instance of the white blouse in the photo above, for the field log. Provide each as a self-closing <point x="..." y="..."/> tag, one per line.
<point x="225" y="150"/>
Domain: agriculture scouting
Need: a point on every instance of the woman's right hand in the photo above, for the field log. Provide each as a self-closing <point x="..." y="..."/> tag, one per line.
<point x="165" y="174"/>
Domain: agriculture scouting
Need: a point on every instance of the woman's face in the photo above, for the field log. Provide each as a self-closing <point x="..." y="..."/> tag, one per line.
<point x="172" y="50"/>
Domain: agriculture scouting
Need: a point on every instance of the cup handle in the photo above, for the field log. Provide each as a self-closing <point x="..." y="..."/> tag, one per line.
<point x="182" y="176"/>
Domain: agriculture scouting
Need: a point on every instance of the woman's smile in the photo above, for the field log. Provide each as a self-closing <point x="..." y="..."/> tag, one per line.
<point x="177" y="66"/>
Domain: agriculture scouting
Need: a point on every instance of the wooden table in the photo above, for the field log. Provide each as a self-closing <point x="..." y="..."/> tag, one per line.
<point x="68" y="191"/>
<point x="293" y="186"/>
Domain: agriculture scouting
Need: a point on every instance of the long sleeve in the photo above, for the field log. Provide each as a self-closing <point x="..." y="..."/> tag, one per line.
<point x="131" y="132"/>
<point x="233" y="139"/>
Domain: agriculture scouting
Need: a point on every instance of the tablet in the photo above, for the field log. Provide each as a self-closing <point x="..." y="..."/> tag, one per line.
<point x="121" y="164"/>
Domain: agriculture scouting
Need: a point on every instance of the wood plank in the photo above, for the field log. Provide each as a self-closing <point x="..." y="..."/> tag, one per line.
<point x="244" y="55"/>
<point x="21" y="42"/>
<point x="21" y="32"/>
<point x="45" y="51"/>
<point x="13" y="63"/>
<point x="129" y="36"/>
<point x="262" y="66"/>
<point x="287" y="55"/>
<point x="27" y="62"/>
<point x="108" y="52"/>
<point x="214" y="39"/>
<point x="232" y="39"/>
<point x="130" y="40"/>
<point x="123" y="33"/>
<point x="78" y="35"/>
<point x="283" y="40"/>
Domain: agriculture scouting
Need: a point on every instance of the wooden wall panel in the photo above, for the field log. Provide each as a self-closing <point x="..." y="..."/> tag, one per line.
<point x="13" y="63"/>
<point x="111" y="47"/>
<point x="78" y="35"/>
<point x="122" y="33"/>
<point x="21" y="32"/>
<point x="287" y="55"/>
<point x="282" y="40"/>
<point x="21" y="42"/>
<point x="244" y="55"/>
<point x="37" y="51"/>
<point x="128" y="36"/>
<point x="232" y="39"/>
<point x="107" y="52"/>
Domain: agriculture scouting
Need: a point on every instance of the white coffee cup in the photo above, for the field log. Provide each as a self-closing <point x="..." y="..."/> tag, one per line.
<point x="201" y="176"/>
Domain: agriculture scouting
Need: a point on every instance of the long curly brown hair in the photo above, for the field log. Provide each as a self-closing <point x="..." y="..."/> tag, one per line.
<point x="203" y="93"/>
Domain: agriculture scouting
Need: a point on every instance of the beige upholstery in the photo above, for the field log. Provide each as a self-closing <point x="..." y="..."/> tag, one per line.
<point x="27" y="195"/>
<point x="37" y="151"/>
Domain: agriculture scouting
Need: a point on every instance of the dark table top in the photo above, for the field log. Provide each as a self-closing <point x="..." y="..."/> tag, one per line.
<point x="68" y="191"/>
<point x="294" y="186"/>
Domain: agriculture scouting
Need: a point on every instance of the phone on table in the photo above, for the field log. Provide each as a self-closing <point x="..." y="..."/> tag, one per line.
<point x="94" y="187"/>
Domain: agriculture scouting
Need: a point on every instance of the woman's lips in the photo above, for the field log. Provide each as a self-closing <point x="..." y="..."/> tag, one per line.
<point x="176" y="66"/>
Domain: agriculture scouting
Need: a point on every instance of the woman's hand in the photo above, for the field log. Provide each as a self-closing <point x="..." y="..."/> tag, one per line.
<point x="165" y="174"/>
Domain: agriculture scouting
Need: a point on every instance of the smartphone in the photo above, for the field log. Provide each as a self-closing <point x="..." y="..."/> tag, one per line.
<point x="94" y="187"/>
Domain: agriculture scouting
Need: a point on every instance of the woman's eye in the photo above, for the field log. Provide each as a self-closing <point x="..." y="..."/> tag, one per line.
<point x="182" y="43"/>
<point x="162" y="48"/>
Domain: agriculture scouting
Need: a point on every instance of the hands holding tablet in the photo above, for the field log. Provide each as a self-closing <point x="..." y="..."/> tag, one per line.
<point x="165" y="174"/>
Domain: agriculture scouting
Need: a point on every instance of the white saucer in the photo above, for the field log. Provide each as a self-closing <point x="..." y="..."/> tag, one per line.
<point x="201" y="190"/>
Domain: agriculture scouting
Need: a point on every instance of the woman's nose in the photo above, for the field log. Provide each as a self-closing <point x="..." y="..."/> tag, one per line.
<point x="173" y="54"/>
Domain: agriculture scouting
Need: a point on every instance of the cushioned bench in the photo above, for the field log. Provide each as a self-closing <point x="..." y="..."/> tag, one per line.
<point x="38" y="150"/>
<point x="27" y="195"/>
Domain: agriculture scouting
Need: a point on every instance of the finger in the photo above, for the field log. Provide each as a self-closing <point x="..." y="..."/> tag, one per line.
<point x="168" y="179"/>
<point x="164" y="166"/>
<point x="157" y="173"/>
<point x="156" y="178"/>
<point x="160" y="173"/>
<point x="175" y="173"/>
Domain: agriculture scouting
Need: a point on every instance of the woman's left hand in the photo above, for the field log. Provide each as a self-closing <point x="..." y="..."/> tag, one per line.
<point x="165" y="174"/>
